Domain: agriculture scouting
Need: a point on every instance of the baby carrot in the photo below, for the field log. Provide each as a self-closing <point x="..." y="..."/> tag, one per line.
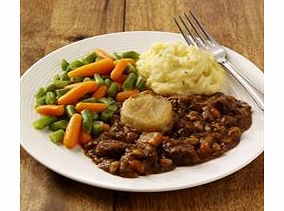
<point x="103" y="54"/>
<point x="118" y="69"/>
<point x="128" y="60"/>
<point x="122" y="96"/>
<point x="103" y="66"/>
<point x="72" y="133"/>
<point x="71" y="86"/>
<point x="50" y="110"/>
<point x="96" y="107"/>
<point x="84" y="136"/>
<point x="77" y="92"/>
<point x="100" y="92"/>
<point x="121" y="79"/>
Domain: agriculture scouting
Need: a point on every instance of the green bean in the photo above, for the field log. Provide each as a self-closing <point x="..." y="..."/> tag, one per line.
<point x="112" y="90"/>
<point x="69" y="68"/>
<point x="56" y="85"/>
<point x="57" y="136"/>
<point x="61" y="124"/>
<point x="56" y="77"/>
<point x="43" y="122"/>
<point x="129" y="82"/>
<point x="112" y="108"/>
<point x="64" y="64"/>
<point x="61" y="92"/>
<point x="103" y="100"/>
<point x="51" y="87"/>
<point x="97" y="128"/>
<point x="95" y="115"/>
<point x="116" y="56"/>
<point x="50" y="98"/>
<point x="99" y="79"/>
<point x="70" y="110"/>
<point x="65" y="77"/>
<point x="87" y="120"/>
<point x="41" y="92"/>
<point x="108" y="100"/>
<point x="87" y="79"/>
<point x="89" y="100"/>
<point x="76" y="64"/>
<point x="40" y="101"/>
<point x="130" y="69"/>
<point x="111" y="100"/>
<point x="140" y="83"/>
<point x="61" y="84"/>
<point x="130" y="54"/>
<point x="73" y="65"/>
<point x="106" y="115"/>
<point x="89" y="58"/>
<point x="108" y="82"/>
<point x="105" y="77"/>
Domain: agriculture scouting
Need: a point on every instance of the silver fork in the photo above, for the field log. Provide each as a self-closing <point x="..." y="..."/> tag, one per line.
<point x="195" y="34"/>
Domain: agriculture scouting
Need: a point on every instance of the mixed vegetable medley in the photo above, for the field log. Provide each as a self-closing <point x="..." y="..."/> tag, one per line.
<point x="80" y="102"/>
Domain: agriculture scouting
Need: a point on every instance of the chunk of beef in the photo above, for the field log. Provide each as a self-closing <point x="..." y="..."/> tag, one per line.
<point x="110" y="148"/>
<point x="181" y="152"/>
<point x="139" y="159"/>
<point x="244" y="123"/>
<point x="228" y="121"/>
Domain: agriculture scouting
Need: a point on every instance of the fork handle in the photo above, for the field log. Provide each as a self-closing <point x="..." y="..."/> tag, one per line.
<point x="256" y="95"/>
<point x="255" y="85"/>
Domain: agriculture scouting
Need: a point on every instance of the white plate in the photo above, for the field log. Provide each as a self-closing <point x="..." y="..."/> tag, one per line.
<point x="75" y="165"/>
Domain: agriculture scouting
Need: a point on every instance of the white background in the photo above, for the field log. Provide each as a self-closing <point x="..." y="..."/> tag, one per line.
<point x="9" y="105"/>
<point x="274" y="103"/>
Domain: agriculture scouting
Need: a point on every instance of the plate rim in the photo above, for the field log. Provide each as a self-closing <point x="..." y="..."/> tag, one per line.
<point x="107" y="186"/>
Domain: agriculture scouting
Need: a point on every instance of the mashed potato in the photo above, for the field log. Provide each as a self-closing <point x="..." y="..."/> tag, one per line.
<point x="174" y="68"/>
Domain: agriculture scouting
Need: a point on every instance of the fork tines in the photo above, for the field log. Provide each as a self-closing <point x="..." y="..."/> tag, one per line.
<point x="193" y="32"/>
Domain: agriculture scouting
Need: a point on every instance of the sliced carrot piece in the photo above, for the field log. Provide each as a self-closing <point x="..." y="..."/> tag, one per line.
<point x="51" y="110"/>
<point x="122" y="96"/>
<point x="103" y="66"/>
<point x="118" y="69"/>
<point x="77" y="92"/>
<point x="97" y="107"/>
<point x="101" y="92"/>
<point x="102" y="53"/>
<point x="72" y="133"/>
<point x="84" y="136"/>
<point x="128" y="60"/>
<point x="71" y="86"/>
